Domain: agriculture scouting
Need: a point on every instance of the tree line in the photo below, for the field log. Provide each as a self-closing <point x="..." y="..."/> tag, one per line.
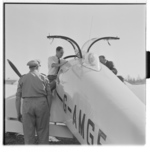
<point x="137" y="80"/>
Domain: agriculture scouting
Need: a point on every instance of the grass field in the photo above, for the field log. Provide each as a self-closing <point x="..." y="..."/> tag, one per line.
<point x="16" y="139"/>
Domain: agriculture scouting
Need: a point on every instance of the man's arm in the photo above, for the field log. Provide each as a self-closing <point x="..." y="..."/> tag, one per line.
<point x="49" y="100"/>
<point x="18" y="107"/>
<point x="18" y="101"/>
<point x="49" y="94"/>
<point x="58" y="65"/>
<point x="114" y="70"/>
<point x="52" y="63"/>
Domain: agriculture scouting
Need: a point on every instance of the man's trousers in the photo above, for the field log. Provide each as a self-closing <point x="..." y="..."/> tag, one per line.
<point x="35" y="114"/>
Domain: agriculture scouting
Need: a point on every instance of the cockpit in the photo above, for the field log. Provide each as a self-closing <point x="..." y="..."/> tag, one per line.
<point x="89" y="59"/>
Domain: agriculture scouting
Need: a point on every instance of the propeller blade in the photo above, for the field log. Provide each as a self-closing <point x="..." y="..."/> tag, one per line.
<point x="14" y="68"/>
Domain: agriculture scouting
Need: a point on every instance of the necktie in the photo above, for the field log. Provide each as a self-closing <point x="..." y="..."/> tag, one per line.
<point x="58" y="67"/>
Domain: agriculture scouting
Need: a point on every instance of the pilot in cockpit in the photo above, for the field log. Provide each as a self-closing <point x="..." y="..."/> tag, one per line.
<point x="54" y="64"/>
<point x="102" y="59"/>
<point x="110" y="65"/>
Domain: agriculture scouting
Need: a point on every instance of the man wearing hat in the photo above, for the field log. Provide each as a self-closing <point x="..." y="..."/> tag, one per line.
<point x="35" y="90"/>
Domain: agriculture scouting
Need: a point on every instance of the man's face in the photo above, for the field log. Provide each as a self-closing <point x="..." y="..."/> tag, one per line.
<point x="38" y="67"/>
<point x="102" y="60"/>
<point x="60" y="53"/>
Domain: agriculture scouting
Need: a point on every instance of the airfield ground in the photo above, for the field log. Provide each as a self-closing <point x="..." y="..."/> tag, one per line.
<point x="16" y="139"/>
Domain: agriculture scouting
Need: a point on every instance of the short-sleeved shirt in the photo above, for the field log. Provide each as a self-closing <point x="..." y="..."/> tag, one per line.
<point x="52" y="70"/>
<point x="33" y="84"/>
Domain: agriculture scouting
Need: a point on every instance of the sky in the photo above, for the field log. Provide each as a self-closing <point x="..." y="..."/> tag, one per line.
<point x="28" y="25"/>
<point x="20" y="63"/>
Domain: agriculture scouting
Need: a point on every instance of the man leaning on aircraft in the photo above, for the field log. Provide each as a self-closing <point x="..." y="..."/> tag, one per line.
<point x="54" y="64"/>
<point x="35" y="90"/>
<point x="110" y="65"/>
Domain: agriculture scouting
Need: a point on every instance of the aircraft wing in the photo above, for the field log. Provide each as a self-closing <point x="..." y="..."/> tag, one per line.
<point x="11" y="82"/>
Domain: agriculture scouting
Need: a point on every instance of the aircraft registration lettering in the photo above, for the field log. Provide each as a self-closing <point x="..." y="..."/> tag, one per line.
<point x="90" y="128"/>
<point x="81" y="124"/>
<point x="100" y="134"/>
<point x="90" y="123"/>
<point x="65" y="103"/>
<point x="65" y="106"/>
<point x="74" y="117"/>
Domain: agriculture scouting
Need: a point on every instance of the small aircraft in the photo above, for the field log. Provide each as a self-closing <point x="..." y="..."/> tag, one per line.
<point x="89" y="102"/>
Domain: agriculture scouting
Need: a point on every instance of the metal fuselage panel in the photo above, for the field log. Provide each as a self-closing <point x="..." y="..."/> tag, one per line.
<point x="99" y="108"/>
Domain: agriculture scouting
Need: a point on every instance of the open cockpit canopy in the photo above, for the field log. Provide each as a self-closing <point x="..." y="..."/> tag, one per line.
<point x="81" y="53"/>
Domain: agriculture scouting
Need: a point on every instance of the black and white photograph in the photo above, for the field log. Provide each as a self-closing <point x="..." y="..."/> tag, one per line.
<point x="74" y="73"/>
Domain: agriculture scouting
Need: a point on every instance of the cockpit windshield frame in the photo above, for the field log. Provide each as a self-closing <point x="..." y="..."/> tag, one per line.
<point x="71" y="41"/>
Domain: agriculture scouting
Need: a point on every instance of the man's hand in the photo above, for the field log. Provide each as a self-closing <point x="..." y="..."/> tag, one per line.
<point x="19" y="117"/>
<point x="63" y="63"/>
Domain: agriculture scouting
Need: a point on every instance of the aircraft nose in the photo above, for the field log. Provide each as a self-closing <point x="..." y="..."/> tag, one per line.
<point x="116" y="110"/>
